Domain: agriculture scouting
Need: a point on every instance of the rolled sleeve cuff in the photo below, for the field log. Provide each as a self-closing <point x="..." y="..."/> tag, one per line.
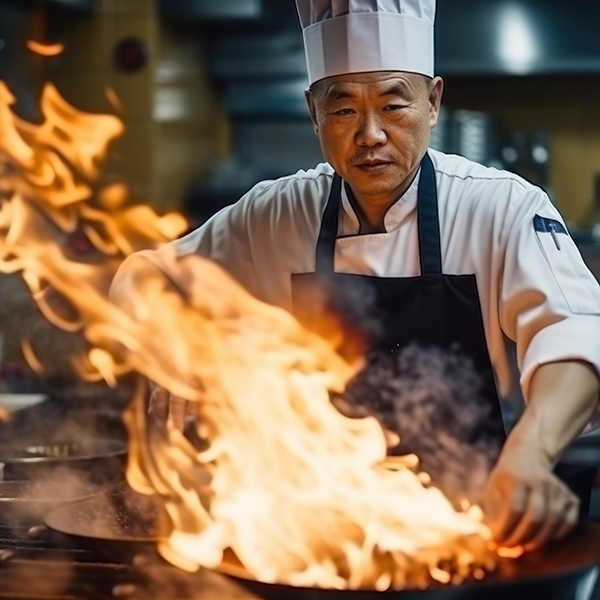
<point x="575" y="338"/>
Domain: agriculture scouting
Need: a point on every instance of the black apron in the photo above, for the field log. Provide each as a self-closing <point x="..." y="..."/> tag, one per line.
<point x="428" y="374"/>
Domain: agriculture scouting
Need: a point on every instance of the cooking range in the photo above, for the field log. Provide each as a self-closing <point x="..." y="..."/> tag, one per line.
<point x="53" y="567"/>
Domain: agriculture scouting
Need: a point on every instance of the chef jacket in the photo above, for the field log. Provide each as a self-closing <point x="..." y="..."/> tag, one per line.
<point x="533" y="285"/>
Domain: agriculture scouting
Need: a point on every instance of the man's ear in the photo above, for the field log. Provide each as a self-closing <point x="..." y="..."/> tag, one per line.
<point x="436" y="90"/>
<point x="312" y="109"/>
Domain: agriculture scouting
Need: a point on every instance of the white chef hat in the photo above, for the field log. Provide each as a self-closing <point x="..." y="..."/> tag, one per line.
<point x="357" y="36"/>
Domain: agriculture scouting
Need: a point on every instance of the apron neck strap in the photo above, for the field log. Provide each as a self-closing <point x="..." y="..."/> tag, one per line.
<point x="329" y="228"/>
<point x="429" y="228"/>
<point x="430" y="253"/>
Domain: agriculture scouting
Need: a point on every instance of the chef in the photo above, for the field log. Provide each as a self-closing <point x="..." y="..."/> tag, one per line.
<point x="453" y="255"/>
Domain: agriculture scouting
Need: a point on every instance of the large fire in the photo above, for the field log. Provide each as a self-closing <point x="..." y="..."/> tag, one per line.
<point x="63" y="228"/>
<point x="299" y="492"/>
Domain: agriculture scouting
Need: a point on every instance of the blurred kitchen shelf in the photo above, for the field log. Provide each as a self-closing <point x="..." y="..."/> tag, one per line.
<point x="212" y="9"/>
<point x="277" y="54"/>
<point x="78" y="5"/>
<point x="267" y="98"/>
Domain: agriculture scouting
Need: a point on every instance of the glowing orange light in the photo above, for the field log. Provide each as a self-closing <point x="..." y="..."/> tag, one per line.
<point x="515" y="552"/>
<point x="113" y="98"/>
<point x="48" y="50"/>
<point x="31" y="358"/>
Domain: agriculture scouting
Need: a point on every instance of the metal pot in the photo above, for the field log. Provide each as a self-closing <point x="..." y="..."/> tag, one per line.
<point x="99" y="461"/>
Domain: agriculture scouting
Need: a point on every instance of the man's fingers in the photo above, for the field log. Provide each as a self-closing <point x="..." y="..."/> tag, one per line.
<point x="570" y="520"/>
<point x="165" y="408"/>
<point x="177" y="410"/>
<point x="552" y="523"/>
<point x="512" y="499"/>
<point x="191" y="410"/>
<point x="158" y="406"/>
<point x="532" y="519"/>
<point x="562" y="515"/>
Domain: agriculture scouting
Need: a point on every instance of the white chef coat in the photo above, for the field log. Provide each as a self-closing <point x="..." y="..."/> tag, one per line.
<point x="533" y="292"/>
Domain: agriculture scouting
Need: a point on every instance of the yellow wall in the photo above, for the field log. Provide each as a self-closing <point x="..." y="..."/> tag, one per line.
<point x="158" y="157"/>
<point x="568" y="107"/>
<point x="196" y="135"/>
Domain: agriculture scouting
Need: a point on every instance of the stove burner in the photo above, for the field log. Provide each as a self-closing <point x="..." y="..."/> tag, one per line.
<point x="47" y="569"/>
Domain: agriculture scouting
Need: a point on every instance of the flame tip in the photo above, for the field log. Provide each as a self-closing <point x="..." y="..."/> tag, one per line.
<point x="44" y="49"/>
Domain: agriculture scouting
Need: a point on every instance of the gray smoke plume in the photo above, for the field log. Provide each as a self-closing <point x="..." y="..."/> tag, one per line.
<point x="432" y="399"/>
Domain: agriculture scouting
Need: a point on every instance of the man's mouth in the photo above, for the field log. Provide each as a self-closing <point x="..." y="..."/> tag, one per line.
<point x="373" y="166"/>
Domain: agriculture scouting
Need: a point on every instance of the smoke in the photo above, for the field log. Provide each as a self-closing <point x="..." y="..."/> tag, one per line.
<point x="27" y="502"/>
<point x="354" y="301"/>
<point x="117" y="515"/>
<point x="341" y="310"/>
<point x="432" y="399"/>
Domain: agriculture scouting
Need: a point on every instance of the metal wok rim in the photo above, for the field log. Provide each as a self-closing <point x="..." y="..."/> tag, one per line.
<point x="239" y="573"/>
<point x="62" y="521"/>
<point x="231" y="567"/>
<point x="15" y="487"/>
<point x="98" y="449"/>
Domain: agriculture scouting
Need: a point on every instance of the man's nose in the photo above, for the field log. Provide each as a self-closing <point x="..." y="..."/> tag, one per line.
<point x="371" y="131"/>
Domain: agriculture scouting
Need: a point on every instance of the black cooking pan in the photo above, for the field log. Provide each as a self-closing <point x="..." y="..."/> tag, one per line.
<point x="120" y="515"/>
<point x="28" y="502"/>
<point x="99" y="461"/>
<point x="131" y="520"/>
<point x="119" y="525"/>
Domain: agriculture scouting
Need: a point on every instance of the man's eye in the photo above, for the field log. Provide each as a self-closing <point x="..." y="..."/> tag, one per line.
<point x="393" y="107"/>
<point x="344" y="111"/>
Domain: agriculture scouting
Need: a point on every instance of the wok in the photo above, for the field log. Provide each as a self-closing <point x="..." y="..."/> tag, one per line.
<point x="98" y="460"/>
<point x="28" y="502"/>
<point x="554" y="572"/>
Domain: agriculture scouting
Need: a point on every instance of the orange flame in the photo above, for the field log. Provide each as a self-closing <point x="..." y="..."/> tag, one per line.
<point x="48" y="50"/>
<point x="302" y="494"/>
<point x="299" y="492"/>
<point x="61" y="226"/>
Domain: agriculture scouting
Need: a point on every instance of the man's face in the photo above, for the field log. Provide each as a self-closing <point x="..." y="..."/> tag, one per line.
<point x="374" y="129"/>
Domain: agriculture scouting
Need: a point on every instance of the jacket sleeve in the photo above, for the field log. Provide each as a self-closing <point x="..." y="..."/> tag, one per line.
<point x="549" y="301"/>
<point x="224" y="239"/>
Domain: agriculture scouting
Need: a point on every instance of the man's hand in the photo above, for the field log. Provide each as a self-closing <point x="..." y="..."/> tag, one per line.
<point x="526" y="504"/>
<point x="523" y="501"/>
<point x="165" y="408"/>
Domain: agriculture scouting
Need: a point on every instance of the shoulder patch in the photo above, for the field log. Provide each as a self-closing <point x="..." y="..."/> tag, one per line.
<point x="546" y="225"/>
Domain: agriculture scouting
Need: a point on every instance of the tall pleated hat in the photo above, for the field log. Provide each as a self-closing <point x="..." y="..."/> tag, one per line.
<point x="358" y="36"/>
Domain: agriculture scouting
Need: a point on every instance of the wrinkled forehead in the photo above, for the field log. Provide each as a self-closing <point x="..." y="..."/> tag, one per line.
<point x="374" y="83"/>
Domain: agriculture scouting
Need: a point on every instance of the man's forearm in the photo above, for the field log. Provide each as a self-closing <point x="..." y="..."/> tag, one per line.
<point x="562" y="400"/>
<point x="524" y="502"/>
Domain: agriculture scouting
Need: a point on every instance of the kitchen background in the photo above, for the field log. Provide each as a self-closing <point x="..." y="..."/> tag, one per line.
<point x="211" y="90"/>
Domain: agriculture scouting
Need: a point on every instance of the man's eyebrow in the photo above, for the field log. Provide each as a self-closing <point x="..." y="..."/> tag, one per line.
<point x="334" y="94"/>
<point x="396" y="89"/>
